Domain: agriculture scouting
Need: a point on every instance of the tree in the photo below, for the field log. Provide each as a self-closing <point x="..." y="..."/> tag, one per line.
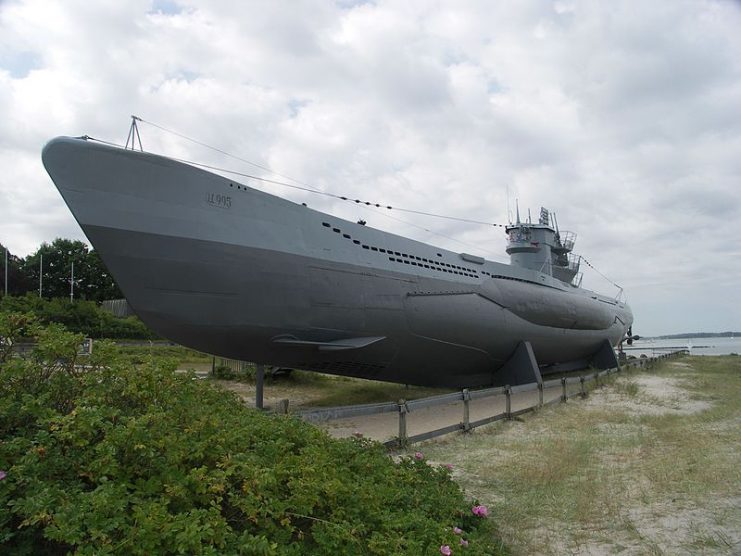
<point x="91" y="278"/>
<point x="18" y="281"/>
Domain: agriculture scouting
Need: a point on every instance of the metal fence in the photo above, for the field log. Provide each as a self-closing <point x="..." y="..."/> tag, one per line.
<point x="118" y="307"/>
<point x="476" y="404"/>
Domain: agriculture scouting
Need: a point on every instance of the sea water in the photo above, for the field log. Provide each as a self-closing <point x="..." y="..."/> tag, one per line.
<point x="696" y="346"/>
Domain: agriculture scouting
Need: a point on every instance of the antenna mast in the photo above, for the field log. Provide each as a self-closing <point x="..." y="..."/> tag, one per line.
<point x="134" y="135"/>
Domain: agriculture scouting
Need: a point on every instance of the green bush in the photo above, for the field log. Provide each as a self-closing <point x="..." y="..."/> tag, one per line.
<point x="115" y="459"/>
<point x="84" y="317"/>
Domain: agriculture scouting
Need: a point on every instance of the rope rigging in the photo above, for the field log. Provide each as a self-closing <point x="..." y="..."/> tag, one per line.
<point x="304" y="186"/>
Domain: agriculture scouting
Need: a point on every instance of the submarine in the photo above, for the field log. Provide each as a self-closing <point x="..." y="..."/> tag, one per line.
<point x="226" y="269"/>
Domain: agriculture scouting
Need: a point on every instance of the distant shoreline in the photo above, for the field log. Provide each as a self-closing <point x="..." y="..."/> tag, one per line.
<point x="695" y="335"/>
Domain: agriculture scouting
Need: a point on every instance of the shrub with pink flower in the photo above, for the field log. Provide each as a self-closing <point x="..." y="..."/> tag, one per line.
<point x="481" y="511"/>
<point x="445" y="550"/>
<point x="3" y="474"/>
<point x="419" y="456"/>
<point x="464" y="542"/>
<point x="457" y="530"/>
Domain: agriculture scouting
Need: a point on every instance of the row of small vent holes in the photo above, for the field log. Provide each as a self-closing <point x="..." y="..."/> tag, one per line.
<point x="433" y="265"/>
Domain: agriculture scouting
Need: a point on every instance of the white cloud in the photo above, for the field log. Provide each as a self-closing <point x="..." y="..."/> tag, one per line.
<point x="622" y="117"/>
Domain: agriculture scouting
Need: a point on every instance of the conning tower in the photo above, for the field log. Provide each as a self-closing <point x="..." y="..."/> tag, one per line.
<point x="542" y="247"/>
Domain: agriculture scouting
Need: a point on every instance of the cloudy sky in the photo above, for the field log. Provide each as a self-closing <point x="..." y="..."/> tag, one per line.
<point x="624" y="117"/>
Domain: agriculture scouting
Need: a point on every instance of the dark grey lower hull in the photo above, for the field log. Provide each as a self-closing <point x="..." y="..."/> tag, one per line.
<point x="281" y="298"/>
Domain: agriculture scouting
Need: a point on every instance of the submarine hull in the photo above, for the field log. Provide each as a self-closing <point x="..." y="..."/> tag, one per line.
<point x="229" y="270"/>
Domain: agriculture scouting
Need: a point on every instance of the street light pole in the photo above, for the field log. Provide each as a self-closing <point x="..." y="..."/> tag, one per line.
<point x="41" y="274"/>
<point x="72" y="283"/>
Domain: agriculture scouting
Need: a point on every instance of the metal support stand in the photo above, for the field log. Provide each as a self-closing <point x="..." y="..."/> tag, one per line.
<point x="520" y="368"/>
<point x="604" y="357"/>
<point x="259" y="386"/>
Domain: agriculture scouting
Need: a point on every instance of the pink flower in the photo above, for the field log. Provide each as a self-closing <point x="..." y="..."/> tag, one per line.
<point x="481" y="511"/>
<point x="449" y="466"/>
<point x="445" y="550"/>
<point x="3" y="474"/>
<point x="457" y="530"/>
<point x="464" y="542"/>
<point x="419" y="456"/>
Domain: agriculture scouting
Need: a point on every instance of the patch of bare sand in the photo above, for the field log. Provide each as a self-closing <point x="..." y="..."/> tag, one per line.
<point x="658" y="528"/>
<point x="635" y="525"/>
<point x="298" y="394"/>
<point x="656" y="395"/>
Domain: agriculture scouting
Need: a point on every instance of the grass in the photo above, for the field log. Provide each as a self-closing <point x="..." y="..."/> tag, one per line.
<point x="589" y="476"/>
<point x="184" y="355"/>
<point x="325" y="390"/>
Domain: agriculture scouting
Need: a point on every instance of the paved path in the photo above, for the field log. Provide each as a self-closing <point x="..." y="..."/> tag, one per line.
<point x="385" y="426"/>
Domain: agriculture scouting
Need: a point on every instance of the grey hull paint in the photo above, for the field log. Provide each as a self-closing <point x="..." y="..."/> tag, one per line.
<point x="229" y="270"/>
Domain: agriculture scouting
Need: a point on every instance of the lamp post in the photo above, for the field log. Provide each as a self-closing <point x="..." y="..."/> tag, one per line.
<point x="72" y="283"/>
<point x="41" y="273"/>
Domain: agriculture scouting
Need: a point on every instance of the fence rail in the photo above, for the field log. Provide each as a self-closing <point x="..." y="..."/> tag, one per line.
<point x="561" y="390"/>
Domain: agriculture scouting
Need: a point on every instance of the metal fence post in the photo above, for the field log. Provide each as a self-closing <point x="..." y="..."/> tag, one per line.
<point x="259" y="384"/>
<point x="402" y="423"/>
<point x="563" y="389"/>
<point x="508" y="394"/>
<point x="466" y="410"/>
<point x="540" y="394"/>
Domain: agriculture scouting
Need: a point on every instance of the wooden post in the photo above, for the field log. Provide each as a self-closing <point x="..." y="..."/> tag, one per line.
<point x="583" y="390"/>
<point x="283" y="407"/>
<point x="563" y="389"/>
<point x="466" y="410"/>
<point x="213" y="365"/>
<point x="508" y="394"/>
<point x="402" y="423"/>
<point x="540" y="394"/>
<point x="259" y="385"/>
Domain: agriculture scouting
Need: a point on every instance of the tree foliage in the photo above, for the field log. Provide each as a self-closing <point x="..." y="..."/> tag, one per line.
<point x="91" y="278"/>
<point x="18" y="282"/>
<point x="83" y="317"/>
<point x="122" y="459"/>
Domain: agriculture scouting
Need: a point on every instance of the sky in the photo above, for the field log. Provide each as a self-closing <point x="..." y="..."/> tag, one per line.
<point x="622" y="117"/>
